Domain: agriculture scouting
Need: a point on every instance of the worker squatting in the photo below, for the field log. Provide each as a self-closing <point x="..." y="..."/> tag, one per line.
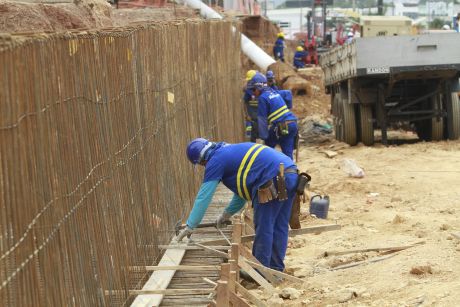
<point x="254" y="172"/>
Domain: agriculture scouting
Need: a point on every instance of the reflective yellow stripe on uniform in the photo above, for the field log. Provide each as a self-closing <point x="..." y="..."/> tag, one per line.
<point x="277" y="114"/>
<point x="244" y="193"/>
<point x="240" y="169"/>
<point x="248" y="168"/>
<point x="253" y="103"/>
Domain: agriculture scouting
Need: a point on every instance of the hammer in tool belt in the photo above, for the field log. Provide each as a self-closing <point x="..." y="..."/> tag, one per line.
<point x="282" y="192"/>
<point x="179" y="226"/>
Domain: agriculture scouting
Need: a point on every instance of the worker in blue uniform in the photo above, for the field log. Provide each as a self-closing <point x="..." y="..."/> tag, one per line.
<point x="299" y="57"/>
<point x="278" y="48"/>
<point x="285" y="94"/>
<point x="252" y="171"/>
<point x="250" y="102"/>
<point x="277" y="124"/>
<point x="271" y="82"/>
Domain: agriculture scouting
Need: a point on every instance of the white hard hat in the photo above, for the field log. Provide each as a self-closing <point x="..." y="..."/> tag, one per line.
<point x="350" y="34"/>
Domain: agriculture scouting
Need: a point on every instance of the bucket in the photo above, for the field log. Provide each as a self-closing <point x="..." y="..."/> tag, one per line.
<point x="319" y="206"/>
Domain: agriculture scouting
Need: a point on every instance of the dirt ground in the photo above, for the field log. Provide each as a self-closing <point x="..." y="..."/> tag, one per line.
<point x="410" y="194"/>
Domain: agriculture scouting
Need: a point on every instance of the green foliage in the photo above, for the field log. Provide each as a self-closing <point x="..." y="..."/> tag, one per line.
<point x="437" y="23"/>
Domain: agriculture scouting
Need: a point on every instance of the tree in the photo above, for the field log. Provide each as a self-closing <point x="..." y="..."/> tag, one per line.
<point x="437" y="23"/>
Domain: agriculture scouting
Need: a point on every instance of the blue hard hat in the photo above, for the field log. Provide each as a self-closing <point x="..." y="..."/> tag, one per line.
<point x="257" y="82"/>
<point x="270" y="75"/>
<point x="195" y="148"/>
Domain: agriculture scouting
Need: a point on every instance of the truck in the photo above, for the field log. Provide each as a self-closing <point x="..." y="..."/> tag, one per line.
<point x="384" y="81"/>
<point x="385" y="26"/>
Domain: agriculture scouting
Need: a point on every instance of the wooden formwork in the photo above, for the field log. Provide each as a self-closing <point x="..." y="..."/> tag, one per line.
<point x="205" y="270"/>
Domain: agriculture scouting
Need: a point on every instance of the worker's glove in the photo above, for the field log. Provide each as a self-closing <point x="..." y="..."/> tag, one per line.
<point x="187" y="231"/>
<point x="222" y="219"/>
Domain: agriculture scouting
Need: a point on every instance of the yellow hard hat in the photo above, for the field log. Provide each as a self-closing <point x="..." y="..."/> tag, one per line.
<point x="281" y="34"/>
<point x="299" y="48"/>
<point x="250" y="74"/>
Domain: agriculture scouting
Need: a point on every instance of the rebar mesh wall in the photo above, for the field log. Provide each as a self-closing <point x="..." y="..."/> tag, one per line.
<point x="93" y="131"/>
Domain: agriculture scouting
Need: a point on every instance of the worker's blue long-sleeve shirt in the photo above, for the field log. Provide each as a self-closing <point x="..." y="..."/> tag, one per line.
<point x="271" y="110"/>
<point x="287" y="97"/>
<point x="202" y="201"/>
<point x="278" y="48"/>
<point x="299" y="59"/>
<point x="242" y="168"/>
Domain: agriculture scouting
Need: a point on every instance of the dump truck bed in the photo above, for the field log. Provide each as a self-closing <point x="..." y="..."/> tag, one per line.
<point x="380" y="56"/>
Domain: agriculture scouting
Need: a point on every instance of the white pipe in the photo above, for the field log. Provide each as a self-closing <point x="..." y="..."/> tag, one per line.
<point x="249" y="48"/>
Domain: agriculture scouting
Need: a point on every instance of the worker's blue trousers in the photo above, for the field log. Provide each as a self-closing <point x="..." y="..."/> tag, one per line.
<point x="271" y="221"/>
<point x="286" y="142"/>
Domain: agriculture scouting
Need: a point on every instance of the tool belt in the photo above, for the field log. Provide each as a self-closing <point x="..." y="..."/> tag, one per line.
<point x="267" y="192"/>
<point x="283" y="127"/>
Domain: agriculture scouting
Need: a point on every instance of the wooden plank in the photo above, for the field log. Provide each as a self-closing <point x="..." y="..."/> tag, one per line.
<point x="237" y="232"/>
<point x="256" y="276"/>
<point x="210" y="282"/>
<point x="188" y="247"/>
<point x="376" y="259"/>
<point x="159" y="280"/>
<point x="375" y="249"/>
<point x="246" y="253"/>
<point x="261" y="268"/>
<point x="292" y="233"/>
<point x="237" y="301"/>
<point x="231" y="281"/>
<point x="161" y="292"/>
<point x="222" y="298"/>
<point x="248" y="295"/>
<point x="222" y="254"/>
<point x="224" y="271"/>
<point x="182" y="268"/>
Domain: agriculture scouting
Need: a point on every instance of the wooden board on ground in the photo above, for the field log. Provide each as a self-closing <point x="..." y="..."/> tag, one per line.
<point x="248" y="295"/>
<point x="262" y="268"/>
<point x="159" y="280"/>
<point x="254" y="274"/>
<point x="292" y="233"/>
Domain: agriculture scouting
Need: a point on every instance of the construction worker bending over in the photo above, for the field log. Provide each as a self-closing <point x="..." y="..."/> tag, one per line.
<point x="277" y="124"/>
<point x="271" y="80"/>
<point x="250" y="102"/>
<point x="278" y="48"/>
<point x="299" y="57"/>
<point x="253" y="172"/>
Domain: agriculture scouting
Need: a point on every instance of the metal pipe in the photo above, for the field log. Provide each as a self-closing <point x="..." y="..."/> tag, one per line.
<point x="249" y="48"/>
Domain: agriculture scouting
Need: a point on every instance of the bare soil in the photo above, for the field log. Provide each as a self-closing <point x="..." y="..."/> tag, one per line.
<point x="410" y="194"/>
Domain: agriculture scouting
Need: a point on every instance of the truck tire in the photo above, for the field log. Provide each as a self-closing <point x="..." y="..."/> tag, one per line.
<point x="453" y="117"/>
<point x="345" y="120"/>
<point x="437" y="124"/>
<point x="366" y="124"/>
<point x="336" y="111"/>
<point x="431" y="129"/>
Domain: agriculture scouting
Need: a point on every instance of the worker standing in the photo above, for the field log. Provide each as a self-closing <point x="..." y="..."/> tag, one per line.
<point x="299" y="57"/>
<point x="250" y="102"/>
<point x="278" y="48"/>
<point x="277" y="124"/>
<point x="253" y="172"/>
